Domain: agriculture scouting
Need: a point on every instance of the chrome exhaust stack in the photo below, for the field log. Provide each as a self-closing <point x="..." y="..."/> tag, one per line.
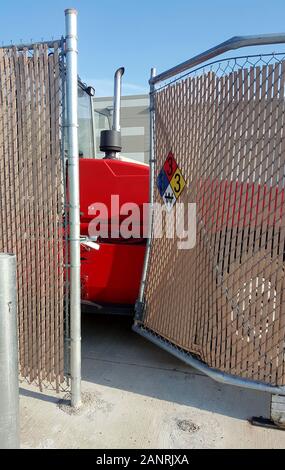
<point x="117" y="98"/>
<point x="110" y="140"/>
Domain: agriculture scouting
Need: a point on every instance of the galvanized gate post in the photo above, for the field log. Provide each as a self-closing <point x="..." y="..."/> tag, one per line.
<point x="9" y="382"/>
<point x="74" y="204"/>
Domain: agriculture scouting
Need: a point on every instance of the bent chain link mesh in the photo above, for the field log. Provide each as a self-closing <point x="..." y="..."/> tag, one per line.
<point x="223" y="300"/>
<point x="31" y="202"/>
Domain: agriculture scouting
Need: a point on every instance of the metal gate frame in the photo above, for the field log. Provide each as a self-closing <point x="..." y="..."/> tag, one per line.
<point x="236" y="42"/>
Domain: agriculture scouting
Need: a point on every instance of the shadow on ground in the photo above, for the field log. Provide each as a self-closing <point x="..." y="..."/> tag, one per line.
<point x="116" y="357"/>
<point x="38" y="395"/>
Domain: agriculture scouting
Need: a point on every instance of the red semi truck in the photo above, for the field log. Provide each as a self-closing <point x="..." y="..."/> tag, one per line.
<point x="111" y="267"/>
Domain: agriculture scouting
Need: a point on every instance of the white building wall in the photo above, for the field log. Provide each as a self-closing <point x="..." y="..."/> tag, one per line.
<point x="134" y="124"/>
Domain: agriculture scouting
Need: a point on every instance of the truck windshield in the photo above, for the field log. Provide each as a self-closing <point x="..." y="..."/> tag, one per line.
<point x="85" y="122"/>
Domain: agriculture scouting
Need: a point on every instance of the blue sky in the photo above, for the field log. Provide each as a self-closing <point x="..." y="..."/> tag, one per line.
<point x="139" y="34"/>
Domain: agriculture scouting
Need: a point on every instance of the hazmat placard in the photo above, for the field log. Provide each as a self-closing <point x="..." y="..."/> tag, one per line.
<point x="170" y="181"/>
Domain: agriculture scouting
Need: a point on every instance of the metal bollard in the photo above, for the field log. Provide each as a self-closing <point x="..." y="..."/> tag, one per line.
<point x="9" y="382"/>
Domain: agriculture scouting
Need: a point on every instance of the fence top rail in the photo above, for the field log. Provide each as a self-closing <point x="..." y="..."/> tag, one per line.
<point x="235" y="42"/>
<point x="21" y="47"/>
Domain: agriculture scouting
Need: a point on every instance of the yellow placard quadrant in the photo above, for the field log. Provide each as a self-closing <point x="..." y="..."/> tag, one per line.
<point x="177" y="183"/>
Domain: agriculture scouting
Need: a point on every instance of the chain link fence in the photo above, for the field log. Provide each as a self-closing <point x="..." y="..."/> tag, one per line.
<point x="223" y="300"/>
<point x="32" y="202"/>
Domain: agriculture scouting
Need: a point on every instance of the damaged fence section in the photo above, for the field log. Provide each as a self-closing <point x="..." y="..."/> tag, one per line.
<point x="223" y="299"/>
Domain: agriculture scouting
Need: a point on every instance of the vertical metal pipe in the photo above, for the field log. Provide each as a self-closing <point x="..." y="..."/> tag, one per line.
<point x="93" y="127"/>
<point x="151" y="183"/>
<point x="9" y="382"/>
<point x="117" y="98"/>
<point x="74" y="204"/>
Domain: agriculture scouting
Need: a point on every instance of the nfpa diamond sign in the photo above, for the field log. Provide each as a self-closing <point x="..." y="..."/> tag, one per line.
<point x="170" y="182"/>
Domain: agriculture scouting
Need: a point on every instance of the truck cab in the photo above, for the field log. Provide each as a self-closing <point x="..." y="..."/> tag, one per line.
<point x="111" y="264"/>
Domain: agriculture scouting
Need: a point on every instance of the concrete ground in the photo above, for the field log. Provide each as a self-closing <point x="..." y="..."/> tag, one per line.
<point x="138" y="396"/>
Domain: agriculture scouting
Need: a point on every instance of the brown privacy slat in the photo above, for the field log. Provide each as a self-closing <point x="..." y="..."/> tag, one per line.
<point x="224" y="300"/>
<point x="31" y="204"/>
<point x="22" y="258"/>
<point x="44" y="119"/>
<point x="51" y="233"/>
<point x="15" y="177"/>
<point x="37" y="158"/>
